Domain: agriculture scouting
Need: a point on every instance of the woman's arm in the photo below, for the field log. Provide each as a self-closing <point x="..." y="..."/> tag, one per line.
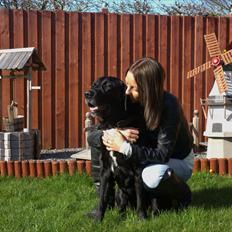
<point x="163" y="147"/>
<point x="160" y="154"/>
<point x="113" y="139"/>
<point x="167" y="135"/>
<point x="165" y="138"/>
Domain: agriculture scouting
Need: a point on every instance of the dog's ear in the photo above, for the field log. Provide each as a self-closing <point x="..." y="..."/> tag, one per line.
<point x="128" y="103"/>
<point x="117" y="87"/>
<point x="133" y="108"/>
<point x="108" y="83"/>
<point x="123" y="93"/>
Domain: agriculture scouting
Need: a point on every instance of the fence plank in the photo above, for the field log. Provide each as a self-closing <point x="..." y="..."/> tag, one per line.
<point x="19" y="90"/>
<point x="67" y="78"/>
<point x="60" y="86"/>
<point x="151" y="36"/>
<point x="211" y="27"/>
<point x="199" y="59"/>
<point x="223" y="26"/>
<point x="48" y="46"/>
<point x="99" y="46"/>
<point x="176" y="41"/>
<point x="33" y="42"/>
<point x="187" y="86"/>
<point x="4" y="43"/>
<point x="138" y="36"/>
<point x="164" y="48"/>
<point x="86" y="64"/>
<point x="74" y="118"/>
<point x="230" y="32"/>
<point x="126" y="44"/>
<point x="113" y="40"/>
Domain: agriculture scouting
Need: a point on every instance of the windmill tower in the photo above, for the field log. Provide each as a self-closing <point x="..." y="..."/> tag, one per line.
<point x="219" y="102"/>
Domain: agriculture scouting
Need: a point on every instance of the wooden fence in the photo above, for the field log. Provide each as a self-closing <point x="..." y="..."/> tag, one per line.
<point x="76" y="48"/>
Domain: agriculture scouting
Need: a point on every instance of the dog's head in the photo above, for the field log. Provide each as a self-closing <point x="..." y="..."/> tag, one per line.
<point x="106" y="95"/>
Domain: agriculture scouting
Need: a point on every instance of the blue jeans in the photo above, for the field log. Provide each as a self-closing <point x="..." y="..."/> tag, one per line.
<point x="153" y="174"/>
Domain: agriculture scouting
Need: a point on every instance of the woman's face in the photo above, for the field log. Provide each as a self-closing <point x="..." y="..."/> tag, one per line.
<point x="132" y="88"/>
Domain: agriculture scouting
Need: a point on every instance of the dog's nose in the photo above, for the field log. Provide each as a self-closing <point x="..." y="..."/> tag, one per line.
<point x="89" y="94"/>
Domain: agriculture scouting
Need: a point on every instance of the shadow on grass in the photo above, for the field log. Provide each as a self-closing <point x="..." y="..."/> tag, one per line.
<point x="212" y="198"/>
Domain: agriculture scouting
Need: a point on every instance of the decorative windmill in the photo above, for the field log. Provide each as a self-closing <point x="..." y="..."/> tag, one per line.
<point x="217" y="60"/>
<point x="219" y="102"/>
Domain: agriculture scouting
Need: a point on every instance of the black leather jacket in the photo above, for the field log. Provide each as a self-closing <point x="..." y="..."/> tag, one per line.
<point x="172" y="139"/>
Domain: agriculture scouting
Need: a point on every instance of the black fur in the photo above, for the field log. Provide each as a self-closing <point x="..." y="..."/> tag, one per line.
<point x="115" y="110"/>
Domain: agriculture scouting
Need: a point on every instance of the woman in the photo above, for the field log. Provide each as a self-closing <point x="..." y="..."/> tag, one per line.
<point x="169" y="158"/>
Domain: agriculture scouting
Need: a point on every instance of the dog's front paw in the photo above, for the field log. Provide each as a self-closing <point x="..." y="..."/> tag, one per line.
<point x="122" y="214"/>
<point x="142" y="215"/>
<point x="95" y="215"/>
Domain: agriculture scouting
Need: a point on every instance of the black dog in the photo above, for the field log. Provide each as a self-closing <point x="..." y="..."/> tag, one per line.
<point x="107" y="102"/>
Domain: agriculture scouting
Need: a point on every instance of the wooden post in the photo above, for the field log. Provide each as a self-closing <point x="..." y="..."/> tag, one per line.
<point x="195" y="129"/>
<point x="29" y="103"/>
<point x="0" y="102"/>
<point x="88" y="123"/>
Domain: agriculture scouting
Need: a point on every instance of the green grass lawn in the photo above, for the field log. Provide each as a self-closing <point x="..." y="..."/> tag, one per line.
<point x="60" y="203"/>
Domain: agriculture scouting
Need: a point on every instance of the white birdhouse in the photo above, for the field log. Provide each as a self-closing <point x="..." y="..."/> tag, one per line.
<point x="219" y="113"/>
<point x="219" y="120"/>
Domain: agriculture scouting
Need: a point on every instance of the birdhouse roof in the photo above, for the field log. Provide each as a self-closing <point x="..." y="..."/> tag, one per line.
<point x="20" y="59"/>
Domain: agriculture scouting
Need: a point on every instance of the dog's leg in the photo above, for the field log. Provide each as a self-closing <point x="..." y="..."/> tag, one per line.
<point x="154" y="206"/>
<point x="140" y="196"/>
<point x="122" y="202"/>
<point x="106" y="183"/>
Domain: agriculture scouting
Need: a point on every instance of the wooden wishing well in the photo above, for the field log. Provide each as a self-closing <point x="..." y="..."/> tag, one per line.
<point x="17" y="142"/>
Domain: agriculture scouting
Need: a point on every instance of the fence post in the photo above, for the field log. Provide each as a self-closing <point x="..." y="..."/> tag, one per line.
<point x="0" y="103"/>
<point x="195" y="128"/>
<point x="88" y="124"/>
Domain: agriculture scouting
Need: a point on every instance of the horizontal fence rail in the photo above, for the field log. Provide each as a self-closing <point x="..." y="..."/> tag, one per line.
<point x="77" y="48"/>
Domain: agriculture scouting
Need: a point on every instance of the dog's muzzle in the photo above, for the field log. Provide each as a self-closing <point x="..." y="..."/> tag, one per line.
<point x="89" y="94"/>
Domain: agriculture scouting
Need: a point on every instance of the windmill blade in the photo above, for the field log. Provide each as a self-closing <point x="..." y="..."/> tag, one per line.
<point x="212" y="45"/>
<point x="199" y="69"/>
<point x="227" y="57"/>
<point x="220" y="79"/>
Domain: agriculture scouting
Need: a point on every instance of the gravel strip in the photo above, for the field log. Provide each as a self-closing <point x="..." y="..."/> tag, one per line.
<point x="200" y="156"/>
<point x="59" y="153"/>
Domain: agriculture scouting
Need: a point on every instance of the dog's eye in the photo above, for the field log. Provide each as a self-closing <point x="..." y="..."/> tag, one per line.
<point x="94" y="85"/>
<point x="106" y="86"/>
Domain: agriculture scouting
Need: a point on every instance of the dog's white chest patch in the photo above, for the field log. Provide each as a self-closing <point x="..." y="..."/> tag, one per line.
<point x="114" y="163"/>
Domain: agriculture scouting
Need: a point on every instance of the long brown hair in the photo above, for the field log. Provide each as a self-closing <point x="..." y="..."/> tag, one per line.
<point x="149" y="76"/>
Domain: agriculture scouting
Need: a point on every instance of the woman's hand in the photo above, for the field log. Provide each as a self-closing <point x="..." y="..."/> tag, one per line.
<point x="113" y="139"/>
<point x="130" y="134"/>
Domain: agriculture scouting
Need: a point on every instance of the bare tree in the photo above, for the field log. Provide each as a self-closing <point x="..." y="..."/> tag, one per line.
<point x="220" y="7"/>
<point x="76" y="5"/>
<point x="133" y="6"/>
<point x="86" y="5"/>
<point x="180" y="7"/>
<point x="67" y="5"/>
<point x="25" y="4"/>
<point x="10" y="4"/>
<point x="199" y="7"/>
